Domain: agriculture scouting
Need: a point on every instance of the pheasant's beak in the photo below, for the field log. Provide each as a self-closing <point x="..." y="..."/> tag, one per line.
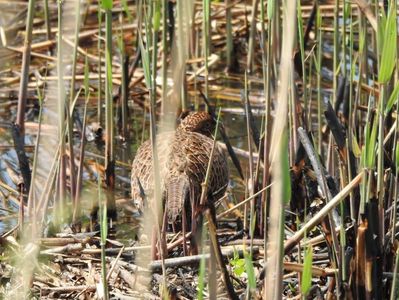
<point x="138" y="204"/>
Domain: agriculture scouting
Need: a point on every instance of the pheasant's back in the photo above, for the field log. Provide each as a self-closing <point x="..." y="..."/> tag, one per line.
<point x="188" y="163"/>
<point x="183" y="161"/>
<point x="142" y="168"/>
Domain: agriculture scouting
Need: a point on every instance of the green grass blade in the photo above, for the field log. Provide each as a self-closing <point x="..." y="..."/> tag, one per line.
<point x="307" y="271"/>
<point x="397" y="155"/>
<point x="249" y="267"/>
<point x="106" y="4"/>
<point x="370" y="146"/>
<point x="127" y="11"/>
<point x="392" y="99"/>
<point x="285" y="168"/>
<point x="389" y="46"/>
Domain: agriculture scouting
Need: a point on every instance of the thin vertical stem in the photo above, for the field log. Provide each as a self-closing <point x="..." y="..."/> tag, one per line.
<point x="318" y="67"/>
<point x="99" y="66"/>
<point x="47" y="20"/>
<point x="251" y="45"/>
<point x="229" y="35"/>
<point x="164" y="53"/>
<point x="267" y="69"/>
<point x="61" y="113"/>
<point x="26" y="54"/>
<point x="205" y="39"/>
<point x="109" y="115"/>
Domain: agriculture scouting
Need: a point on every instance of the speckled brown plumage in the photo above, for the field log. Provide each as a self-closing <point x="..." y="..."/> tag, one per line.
<point x="183" y="160"/>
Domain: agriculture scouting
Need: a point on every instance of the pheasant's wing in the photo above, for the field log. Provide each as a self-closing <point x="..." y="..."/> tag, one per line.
<point x="142" y="172"/>
<point x="142" y="168"/>
<point x="220" y="174"/>
<point x="198" y="151"/>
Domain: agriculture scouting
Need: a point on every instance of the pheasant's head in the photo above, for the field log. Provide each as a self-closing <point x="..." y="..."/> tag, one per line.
<point x="201" y="122"/>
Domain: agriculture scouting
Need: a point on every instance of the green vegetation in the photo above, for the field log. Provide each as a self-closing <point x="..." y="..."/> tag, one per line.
<point x="305" y="99"/>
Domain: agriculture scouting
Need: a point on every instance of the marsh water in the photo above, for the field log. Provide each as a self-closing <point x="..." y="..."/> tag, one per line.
<point x="233" y="118"/>
<point x="225" y="91"/>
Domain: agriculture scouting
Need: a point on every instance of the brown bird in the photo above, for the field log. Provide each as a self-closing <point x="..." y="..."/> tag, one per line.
<point x="183" y="160"/>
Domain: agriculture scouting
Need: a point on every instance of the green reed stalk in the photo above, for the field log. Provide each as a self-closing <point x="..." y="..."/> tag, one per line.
<point x="71" y="98"/>
<point x="99" y="66"/>
<point x="149" y="60"/>
<point x="266" y="73"/>
<point x="319" y="57"/>
<point x="302" y="51"/>
<point x="26" y="54"/>
<point x="206" y="5"/>
<point x="165" y="52"/>
<point x="229" y="35"/>
<point x="42" y="203"/>
<point x="156" y="23"/>
<point x="109" y="108"/>
<point x="103" y="241"/>
<point x="251" y="182"/>
<point x="204" y="185"/>
<point x="31" y="198"/>
<point x="387" y="37"/>
<point x="380" y="161"/>
<point x="152" y="70"/>
<point x="251" y="42"/>
<point x="125" y="84"/>
<point x="77" y="208"/>
<point x="127" y="11"/>
<point x="396" y="183"/>
<point x="345" y="15"/>
<point x="75" y="52"/>
<point x="183" y="10"/>
<point x="47" y="19"/>
<point x="351" y="138"/>
<point x="395" y="158"/>
<point x="61" y="113"/>
<point x="336" y="51"/>
<point x="362" y="64"/>
<point x="281" y="189"/>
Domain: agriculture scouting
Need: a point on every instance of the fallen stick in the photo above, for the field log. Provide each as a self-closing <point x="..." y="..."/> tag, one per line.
<point x="193" y="259"/>
<point x="316" y="271"/>
<point x="68" y="289"/>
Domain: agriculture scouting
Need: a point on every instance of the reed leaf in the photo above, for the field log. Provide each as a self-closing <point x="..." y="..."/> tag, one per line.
<point x="127" y="11"/>
<point x="285" y="169"/>
<point x="388" y="54"/>
<point x="270" y="9"/>
<point x="397" y="155"/>
<point x="371" y="144"/>
<point x="307" y="271"/>
<point x="392" y="99"/>
<point x="249" y="267"/>
<point x="106" y="4"/>
<point x="145" y="57"/>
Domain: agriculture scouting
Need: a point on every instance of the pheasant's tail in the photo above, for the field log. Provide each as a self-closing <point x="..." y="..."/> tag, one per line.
<point x="177" y="191"/>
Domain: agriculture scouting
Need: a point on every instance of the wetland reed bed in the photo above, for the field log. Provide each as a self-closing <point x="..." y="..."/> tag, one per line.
<point x="303" y="98"/>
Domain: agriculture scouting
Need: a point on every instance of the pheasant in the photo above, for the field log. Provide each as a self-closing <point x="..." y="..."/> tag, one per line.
<point x="183" y="158"/>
